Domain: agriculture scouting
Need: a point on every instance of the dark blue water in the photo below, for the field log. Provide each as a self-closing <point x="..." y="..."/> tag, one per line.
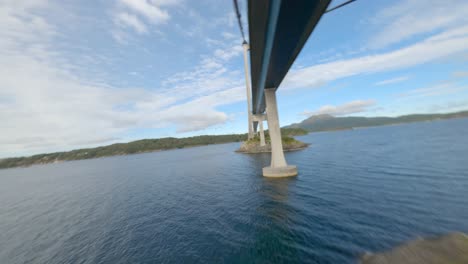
<point x="357" y="191"/>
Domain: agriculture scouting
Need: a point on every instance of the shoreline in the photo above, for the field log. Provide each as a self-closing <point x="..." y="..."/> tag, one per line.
<point x="19" y="160"/>
<point x="383" y="125"/>
<point x="142" y="152"/>
<point x="269" y="151"/>
<point x="109" y="156"/>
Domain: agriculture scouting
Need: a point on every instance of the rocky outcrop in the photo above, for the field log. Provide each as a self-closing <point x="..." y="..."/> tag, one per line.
<point x="451" y="248"/>
<point x="253" y="146"/>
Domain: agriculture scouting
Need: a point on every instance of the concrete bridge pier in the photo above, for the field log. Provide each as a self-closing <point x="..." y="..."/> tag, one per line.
<point x="259" y="119"/>
<point x="262" y="134"/>
<point x="246" y="47"/>
<point x="278" y="167"/>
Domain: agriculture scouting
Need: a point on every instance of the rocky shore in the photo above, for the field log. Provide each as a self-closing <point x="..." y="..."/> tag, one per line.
<point x="252" y="146"/>
<point x="451" y="248"/>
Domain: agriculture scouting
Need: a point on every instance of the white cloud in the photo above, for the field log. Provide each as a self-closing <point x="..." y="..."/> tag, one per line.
<point x="393" y="80"/>
<point x="126" y="19"/>
<point x="53" y="109"/>
<point x="460" y="74"/>
<point x="139" y="15"/>
<point x="213" y="42"/>
<point x="442" y="88"/>
<point x="227" y="54"/>
<point x="448" y="107"/>
<point x="151" y="10"/>
<point x="200" y="113"/>
<point x="439" y="46"/>
<point x="228" y="35"/>
<point x="353" y="107"/>
<point x="410" y="18"/>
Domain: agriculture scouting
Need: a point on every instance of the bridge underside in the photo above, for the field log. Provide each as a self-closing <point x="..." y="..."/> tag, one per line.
<point x="277" y="31"/>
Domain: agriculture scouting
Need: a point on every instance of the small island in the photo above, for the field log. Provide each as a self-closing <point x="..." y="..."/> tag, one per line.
<point x="252" y="146"/>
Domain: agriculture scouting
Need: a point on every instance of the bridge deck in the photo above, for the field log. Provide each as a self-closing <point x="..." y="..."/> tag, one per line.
<point x="278" y="31"/>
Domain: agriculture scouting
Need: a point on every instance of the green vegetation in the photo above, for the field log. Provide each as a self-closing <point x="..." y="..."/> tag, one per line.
<point x="286" y="133"/>
<point x="256" y="139"/>
<point x="289" y="143"/>
<point x="291" y="131"/>
<point x="329" y="123"/>
<point x="139" y="146"/>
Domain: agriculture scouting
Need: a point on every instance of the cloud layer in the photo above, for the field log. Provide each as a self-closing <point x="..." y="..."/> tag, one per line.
<point x="45" y="106"/>
<point x="353" y="107"/>
<point x="413" y="18"/>
<point x="393" y="80"/>
<point x="439" y="46"/>
<point x="140" y="16"/>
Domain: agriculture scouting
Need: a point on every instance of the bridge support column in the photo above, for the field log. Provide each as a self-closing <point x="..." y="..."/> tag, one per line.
<point x="278" y="167"/>
<point x="246" y="47"/>
<point x="259" y="118"/>
<point x="262" y="134"/>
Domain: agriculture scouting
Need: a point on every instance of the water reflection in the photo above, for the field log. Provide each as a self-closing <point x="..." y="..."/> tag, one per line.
<point x="274" y="220"/>
<point x="277" y="189"/>
<point x="258" y="161"/>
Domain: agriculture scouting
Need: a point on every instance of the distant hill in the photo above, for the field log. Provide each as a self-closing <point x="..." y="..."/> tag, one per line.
<point x="328" y="123"/>
<point x="134" y="147"/>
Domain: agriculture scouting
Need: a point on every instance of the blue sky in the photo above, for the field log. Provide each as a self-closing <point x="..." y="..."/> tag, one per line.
<point x="78" y="74"/>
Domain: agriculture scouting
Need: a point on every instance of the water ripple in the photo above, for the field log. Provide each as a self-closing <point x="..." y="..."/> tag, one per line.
<point x="357" y="191"/>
